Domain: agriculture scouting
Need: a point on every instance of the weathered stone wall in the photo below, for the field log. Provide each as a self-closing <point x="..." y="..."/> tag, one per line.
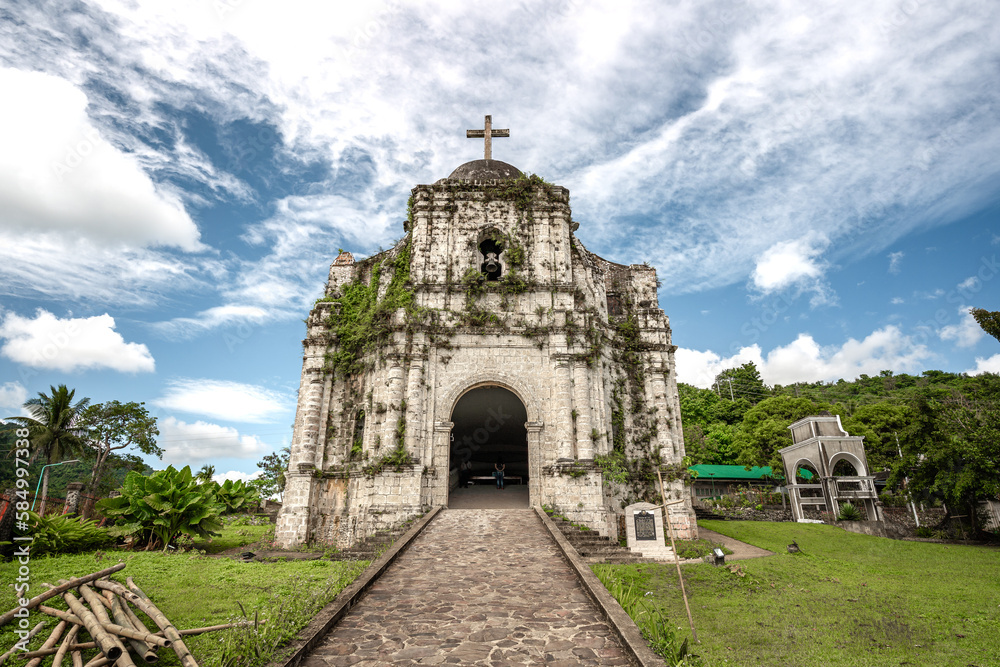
<point x="542" y="331"/>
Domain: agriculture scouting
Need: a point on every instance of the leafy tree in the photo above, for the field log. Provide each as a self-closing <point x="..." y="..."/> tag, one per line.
<point x="206" y="473"/>
<point x="272" y="479"/>
<point x="159" y="508"/>
<point x="112" y="427"/>
<point x="705" y="407"/>
<point x="117" y="467"/>
<point x="744" y="382"/>
<point x="880" y="424"/>
<point x="713" y="445"/>
<point x="988" y="320"/>
<point x="765" y="430"/>
<point x="955" y="446"/>
<point x="54" y="433"/>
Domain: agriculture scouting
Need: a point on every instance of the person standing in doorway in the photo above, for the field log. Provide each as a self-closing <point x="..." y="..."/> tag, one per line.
<point x="498" y="468"/>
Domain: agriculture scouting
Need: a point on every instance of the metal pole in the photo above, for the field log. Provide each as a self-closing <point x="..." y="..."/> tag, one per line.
<point x="677" y="560"/>
<point x="730" y="381"/>
<point x="906" y="482"/>
<point x="41" y="476"/>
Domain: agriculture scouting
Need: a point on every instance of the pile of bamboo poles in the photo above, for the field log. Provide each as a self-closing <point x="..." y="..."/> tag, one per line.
<point x="102" y="611"/>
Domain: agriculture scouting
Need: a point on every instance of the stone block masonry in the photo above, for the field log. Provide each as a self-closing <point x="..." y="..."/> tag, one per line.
<point x="489" y="292"/>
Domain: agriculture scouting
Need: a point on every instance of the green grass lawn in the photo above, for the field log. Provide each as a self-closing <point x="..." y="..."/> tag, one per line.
<point x="234" y="535"/>
<point x="847" y="599"/>
<point x="196" y="591"/>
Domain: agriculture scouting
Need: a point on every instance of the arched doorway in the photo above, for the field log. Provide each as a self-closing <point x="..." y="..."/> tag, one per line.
<point x="489" y="425"/>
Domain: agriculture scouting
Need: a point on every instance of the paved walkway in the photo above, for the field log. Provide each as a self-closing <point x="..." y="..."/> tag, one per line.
<point x="488" y="496"/>
<point x="741" y="550"/>
<point x="477" y="587"/>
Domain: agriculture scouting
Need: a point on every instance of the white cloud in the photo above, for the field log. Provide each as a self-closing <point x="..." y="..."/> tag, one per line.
<point x="804" y="360"/>
<point x="58" y="174"/>
<point x="897" y="300"/>
<point x="236" y="476"/>
<point x="699" y="368"/>
<point x="984" y="365"/>
<point x="200" y="442"/>
<point x="71" y="344"/>
<point x="930" y="296"/>
<point x="896" y="261"/>
<point x="221" y="399"/>
<point x="206" y="320"/>
<point x="774" y="126"/>
<point x="12" y="397"/>
<point x="969" y="284"/>
<point x="55" y="266"/>
<point x="788" y="263"/>
<point x="966" y="333"/>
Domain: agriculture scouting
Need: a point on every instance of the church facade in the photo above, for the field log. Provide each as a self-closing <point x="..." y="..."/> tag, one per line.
<point x="488" y="332"/>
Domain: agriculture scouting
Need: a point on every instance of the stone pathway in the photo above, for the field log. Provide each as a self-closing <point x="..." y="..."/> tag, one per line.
<point x="741" y="550"/>
<point x="477" y="587"/>
<point x="486" y="496"/>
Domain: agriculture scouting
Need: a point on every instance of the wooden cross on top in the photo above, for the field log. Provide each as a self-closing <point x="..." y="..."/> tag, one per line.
<point x="488" y="133"/>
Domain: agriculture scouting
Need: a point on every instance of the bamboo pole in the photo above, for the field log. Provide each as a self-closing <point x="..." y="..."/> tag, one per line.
<point x="80" y="646"/>
<point x="61" y="651"/>
<point x="140" y="600"/>
<point x="213" y="628"/>
<point x="142" y="648"/>
<point x="677" y="560"/>
<point x="109" y="646"/>
<point x="136" y="621"/>
<point x="77" y="657"/>
<point x="98" y="661"/>
<point x="52" y="640"/>
<point x="95" y="600"/>
<point x="58" y="590"/>
<point x="31" y="633"/>
<point x="60" y="614"/>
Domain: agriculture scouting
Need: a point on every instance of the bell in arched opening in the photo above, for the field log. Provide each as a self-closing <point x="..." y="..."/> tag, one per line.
<point x="491" y="266"/>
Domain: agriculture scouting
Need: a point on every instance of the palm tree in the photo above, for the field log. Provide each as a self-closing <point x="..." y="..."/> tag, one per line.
<point x="52" y="429"/>
<point x="205" y="474"/>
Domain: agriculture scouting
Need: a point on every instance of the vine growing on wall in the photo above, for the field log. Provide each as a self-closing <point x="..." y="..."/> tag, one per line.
<point x="634" y="458"/>
<point x="361" y="321"/>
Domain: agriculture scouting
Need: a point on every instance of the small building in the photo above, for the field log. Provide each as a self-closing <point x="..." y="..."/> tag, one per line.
<point x="712" y="481"/>
<point x="839" y="464"/>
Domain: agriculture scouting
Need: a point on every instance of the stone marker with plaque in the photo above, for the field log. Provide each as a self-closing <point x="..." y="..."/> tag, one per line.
<point x="646" y="533"/>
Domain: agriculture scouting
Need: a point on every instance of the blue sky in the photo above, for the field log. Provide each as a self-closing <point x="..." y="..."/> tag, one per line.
<point x="816" y="183"/>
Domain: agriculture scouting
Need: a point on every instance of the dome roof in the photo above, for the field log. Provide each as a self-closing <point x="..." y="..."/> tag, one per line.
<point x="485" y="170"/>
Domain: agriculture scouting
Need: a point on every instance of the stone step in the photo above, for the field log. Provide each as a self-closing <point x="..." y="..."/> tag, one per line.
<point x="605" y="549"/>
<point x="595" y="548"/>
<point x="579" y="539"/>
<point x="625" y="560"/>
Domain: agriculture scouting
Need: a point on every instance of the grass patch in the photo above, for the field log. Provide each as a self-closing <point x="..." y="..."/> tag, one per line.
<point x="195" y="591"/>
<point x="237" y="531"/>
<point x="847" y="599"/>
<point x="697" y="548"/>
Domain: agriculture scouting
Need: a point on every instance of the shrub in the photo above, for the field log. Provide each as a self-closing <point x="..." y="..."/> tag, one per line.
<point x="161" y="507"/>
<point x="890" y="499"/>
<point x="849" y="512"/>
<point x="236" y="495"/>
<point x="54" y="534"/>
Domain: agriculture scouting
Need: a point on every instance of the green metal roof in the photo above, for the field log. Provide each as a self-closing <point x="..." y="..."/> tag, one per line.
<point x="706" y="471"/>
